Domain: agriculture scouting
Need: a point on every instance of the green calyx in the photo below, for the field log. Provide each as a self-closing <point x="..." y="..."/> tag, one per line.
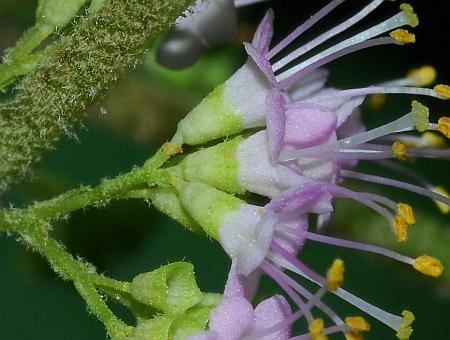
<point x="175" y="327"/>
<point x="166" y="200"/>
<point x="213" y="118"/>
<point x="207" y="205"/>
<point x="173" y="290"/>
<point x="216" y="166"/>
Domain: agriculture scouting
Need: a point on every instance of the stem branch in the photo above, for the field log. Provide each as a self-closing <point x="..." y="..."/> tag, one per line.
<point x="71" y="269"/>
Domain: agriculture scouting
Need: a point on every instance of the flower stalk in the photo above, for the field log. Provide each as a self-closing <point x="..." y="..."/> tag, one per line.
<point x="32" y="224"/>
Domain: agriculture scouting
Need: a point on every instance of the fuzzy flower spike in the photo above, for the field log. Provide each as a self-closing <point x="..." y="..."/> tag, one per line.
<point x="269" y="238"/>
<point x="317" y="138"/>
<point x="313" y="139"/>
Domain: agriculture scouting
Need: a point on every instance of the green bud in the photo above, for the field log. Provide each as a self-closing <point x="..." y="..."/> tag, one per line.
<point x="216" y="166"/>
<point x="157" y="328"/>
<point x="166" y="201"/>
<point x="194" y="320"/>
<point x="171" y="288"/>
<point x="177" y="327"/>
<point x="57" y="13"/>
<point x="213" y="118"/>
<point x="207" y="205"/>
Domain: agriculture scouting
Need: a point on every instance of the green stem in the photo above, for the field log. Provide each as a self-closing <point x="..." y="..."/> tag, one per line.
<point x="10" y="71"/>
<point x="130" y="185"/>
<point x="85" y="196"/>
<point x="107" y="282"/>
<point x="20" y="60"/>
<point x="119" y="291"/>
<point x="160" y="157"/>
<point x="29" y="41"/>
<point x="31" y="225"/>
<point x="71" y="269"/>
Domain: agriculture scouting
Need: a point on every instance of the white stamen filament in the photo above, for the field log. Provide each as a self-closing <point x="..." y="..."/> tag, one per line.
<point x="303" y="28"/>
<point x="402" y="124"/>
<point x="298" y="314"/>
<point x="405" y="138"/>
<point x="429" y="153"/>
<point x="377" y="90"/>
<point x="396" y="184"/>
<point x="345" y="193"/>
<point x="401" y="169"/>
<point x="348" y="50"/>
<point x="399" y="82"/>
<point x="359" y="246"/>
<point x="271" y="270"/>
<point x="381" y="199"/>
<point x="398" y="20"/>
<point x="383" y="152"/>
<point x="356" y="154"/>
<point x="327" y="35"/>
<point x="322" y="306"/>
<point x="390" y="320"/>
<point x="317" y="297"/>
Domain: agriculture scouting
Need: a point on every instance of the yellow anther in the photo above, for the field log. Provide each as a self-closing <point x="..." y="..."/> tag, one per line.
<point x="420" y="114"/>
<point x="400" y="228"/>
<point x="405" y="330"/>
<point x="357" y="324"/>
<point x="353" y="336"/>
<point x="377" y="100"/>
<point x="428" y="265"/>
<point x="316" y="330"/>
<point x="422" y="76"/>
<point x="172" y="148"/>
<point x="403" y="36"/>
<point x="443" y="91"/>
<point x="406" y="211"/>
<point x="399" y="150"/>
<point x="433" y="140"/>
<point x="444" y="208"/>
<point x="408" y="10"/>
<point x="444" y="126"/>
<point x="335" y="275"/>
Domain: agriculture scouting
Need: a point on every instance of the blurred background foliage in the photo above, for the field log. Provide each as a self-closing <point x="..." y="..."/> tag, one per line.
<point x="129" y="237"/>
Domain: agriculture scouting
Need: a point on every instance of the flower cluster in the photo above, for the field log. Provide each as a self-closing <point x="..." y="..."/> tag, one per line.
<point x="295" y="141"/>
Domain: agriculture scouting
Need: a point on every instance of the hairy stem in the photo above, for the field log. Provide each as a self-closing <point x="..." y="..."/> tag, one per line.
<point x="122" y="186"/>
<point x="20" y="60"/>
<point x="32" y="224"/>
<point x="107" y="282"/>
<point x="74" y="270"/>
<point x="86" y="196"/>
<point x="82" y="66"/>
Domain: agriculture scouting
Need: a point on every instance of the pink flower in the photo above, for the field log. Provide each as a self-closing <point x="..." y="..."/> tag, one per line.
<point x="314" y="137"/>
<point x="235" y="318"/>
